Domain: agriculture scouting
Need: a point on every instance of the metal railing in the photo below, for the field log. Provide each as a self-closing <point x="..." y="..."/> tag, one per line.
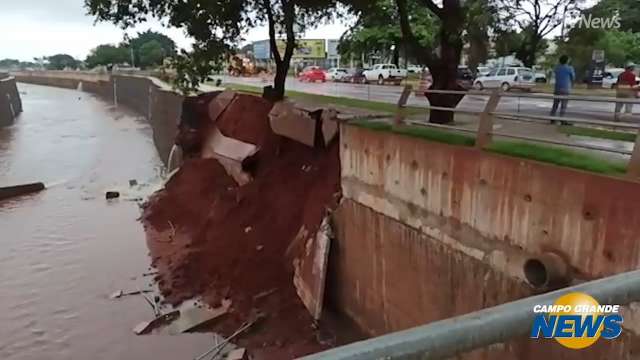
<point x="485" y="130"/>
<point x="447" y="338"/>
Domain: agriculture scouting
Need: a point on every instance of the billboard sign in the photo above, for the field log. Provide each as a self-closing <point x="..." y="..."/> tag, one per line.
<point x="306" y="49"/>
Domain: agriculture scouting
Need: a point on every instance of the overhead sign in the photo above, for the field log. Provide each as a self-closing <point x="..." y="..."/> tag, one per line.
<point x="307" y="48"/>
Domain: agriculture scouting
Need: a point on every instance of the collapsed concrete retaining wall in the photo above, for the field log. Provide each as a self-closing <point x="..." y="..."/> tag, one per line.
<point x="146" y="96"/>
<point x="449" y="229"/>
<point x="10" y="102"/>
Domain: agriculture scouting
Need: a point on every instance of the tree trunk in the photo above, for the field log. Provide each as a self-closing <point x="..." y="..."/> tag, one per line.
<point x="282" y="68"/>
<point x="444" y="69"/>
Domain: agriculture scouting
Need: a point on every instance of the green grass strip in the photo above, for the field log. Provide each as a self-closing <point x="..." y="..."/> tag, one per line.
<point x="543" y="153"/>
<point x="421" y="132"/>
<point x="598" y="133"/>
<point x="558" y="156"/>
<point x="376" y="106"/>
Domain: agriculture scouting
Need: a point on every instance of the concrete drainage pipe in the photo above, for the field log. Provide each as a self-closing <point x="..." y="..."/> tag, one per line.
<point x="547" y="271"/>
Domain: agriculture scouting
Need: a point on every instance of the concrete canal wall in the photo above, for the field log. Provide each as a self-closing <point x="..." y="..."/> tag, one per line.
<point x="10" y="103"/>
<point x="148" y="97"/>
<point x="449" y="229"/>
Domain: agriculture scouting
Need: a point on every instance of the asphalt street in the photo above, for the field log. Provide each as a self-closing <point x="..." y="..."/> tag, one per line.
<point x="391" y="94"/>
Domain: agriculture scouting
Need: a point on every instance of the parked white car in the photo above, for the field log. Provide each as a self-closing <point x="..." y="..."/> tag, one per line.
<point x="382" y="73"/>
<point x="414" y="69"/>
<point x="337" y="74"/>
<point x="610" y="78"/>
<point x="507" y="78"/>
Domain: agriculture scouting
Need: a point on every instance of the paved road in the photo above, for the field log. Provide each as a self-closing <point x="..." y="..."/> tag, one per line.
<point x="390" y="94"/>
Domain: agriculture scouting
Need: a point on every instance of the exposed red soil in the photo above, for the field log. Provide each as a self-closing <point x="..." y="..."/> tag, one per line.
<point x="231" y="242"/>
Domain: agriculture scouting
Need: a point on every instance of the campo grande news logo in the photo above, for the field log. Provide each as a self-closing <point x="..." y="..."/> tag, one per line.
<point x="576" y="320"/>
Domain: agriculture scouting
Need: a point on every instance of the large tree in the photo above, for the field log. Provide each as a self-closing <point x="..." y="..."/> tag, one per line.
<point x="106" y="55"/>
<point x="377" y="31"/>
<point x="61" y="62"/>
<point x="150" y="54"/>
<point x="165" y="43"/>
<point x="534" y="20"/>
<point x="217" y="26"/>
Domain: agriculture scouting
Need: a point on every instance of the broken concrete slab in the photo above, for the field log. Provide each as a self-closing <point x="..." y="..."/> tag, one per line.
<point x="146" y="327"/>
<point x="231" y="153"/>
<point x="19" y="190"/>
<point x="238" y="354"/>
<point x="220" y="103"/>
<point x="310" y="269"/>
<point x="293" y="123"/>
<point x="194" y="314"/>
<point x="330" y="126"/>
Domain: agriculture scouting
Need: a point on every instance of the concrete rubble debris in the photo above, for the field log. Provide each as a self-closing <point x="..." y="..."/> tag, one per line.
<point x="231" y="153"/>
<point x="195" y="314"/>
<point x="121" y="293"/>
<point x="311" y="269"/>
<point x="238" y="354"/>
<point x="8" y="192"/>
<point x="292" y="123"/>
<point x="146" y="327"/>
<point x="226" y="254"/>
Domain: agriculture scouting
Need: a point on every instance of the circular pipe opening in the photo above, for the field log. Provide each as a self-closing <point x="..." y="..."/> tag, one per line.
<point x="536" y="273"/>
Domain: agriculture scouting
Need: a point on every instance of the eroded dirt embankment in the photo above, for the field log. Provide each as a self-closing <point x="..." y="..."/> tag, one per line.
<point x="211" y="237"/>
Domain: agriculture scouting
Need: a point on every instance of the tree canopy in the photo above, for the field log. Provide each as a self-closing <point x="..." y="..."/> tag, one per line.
<point x="377" y="31"/>
<point x="108" y="55"/>
<point x="61" y="62"/>
<point x="532" y="21"/>
<point x="162" y="46"/>
<point x="216" y="27"/>
<point x="150" y="53"/>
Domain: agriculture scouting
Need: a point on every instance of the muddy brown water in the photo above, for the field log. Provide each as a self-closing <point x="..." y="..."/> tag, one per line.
<point x="64" y="250"/>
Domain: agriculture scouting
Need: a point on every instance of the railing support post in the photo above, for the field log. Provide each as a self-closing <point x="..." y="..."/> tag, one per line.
<point x="402" y="103"/>
<point x="633" y="170"/>
<point x="485" y="127"/>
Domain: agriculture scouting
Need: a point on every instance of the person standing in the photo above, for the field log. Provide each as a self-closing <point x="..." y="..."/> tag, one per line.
<point x="565" y="77"/>
<point x="625" y="89"/>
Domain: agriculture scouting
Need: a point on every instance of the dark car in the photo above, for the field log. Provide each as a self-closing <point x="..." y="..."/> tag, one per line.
<point x="357" y="77"/>
<point x="465" y="77"/>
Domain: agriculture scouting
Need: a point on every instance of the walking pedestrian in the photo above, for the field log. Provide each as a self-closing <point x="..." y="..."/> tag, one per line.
<point x="625" y="89"/>
<point x="565" y="77"/>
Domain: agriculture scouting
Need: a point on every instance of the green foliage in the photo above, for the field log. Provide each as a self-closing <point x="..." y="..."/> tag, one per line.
<point x="150" y="53"/>
<point x="62" y="61"/>
<point x="108" y="55"/>
<point x="527" y="23"/>
<point x="159" y="40"/>
<point x="215" y="26"/>
<point x="9" y="63"/>
<point x="378" y="30"/>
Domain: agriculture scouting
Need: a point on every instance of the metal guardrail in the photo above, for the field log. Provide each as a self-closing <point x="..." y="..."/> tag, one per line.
<point x="457" y="335"/>
<point x="485" y="131"/>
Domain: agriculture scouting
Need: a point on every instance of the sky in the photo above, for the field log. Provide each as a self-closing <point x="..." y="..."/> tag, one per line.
<point x="35" y="28"/>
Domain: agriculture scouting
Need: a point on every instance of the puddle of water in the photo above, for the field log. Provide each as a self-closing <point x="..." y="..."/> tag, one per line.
<point x="67" y="248"/>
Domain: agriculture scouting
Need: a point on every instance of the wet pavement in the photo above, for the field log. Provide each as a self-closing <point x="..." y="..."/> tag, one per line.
<point x="64" y="250"/>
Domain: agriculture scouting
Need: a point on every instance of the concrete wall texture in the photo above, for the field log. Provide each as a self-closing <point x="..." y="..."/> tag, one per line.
<point x="10" y="102"/>
<point x="147" y="97"/>
<point x="449" y="229"/>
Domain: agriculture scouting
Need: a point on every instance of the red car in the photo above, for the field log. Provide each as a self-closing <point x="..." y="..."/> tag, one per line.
<point x="313" y="74"/>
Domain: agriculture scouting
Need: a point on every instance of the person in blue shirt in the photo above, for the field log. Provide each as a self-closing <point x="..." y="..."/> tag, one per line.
<point x="565" y="76"/>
